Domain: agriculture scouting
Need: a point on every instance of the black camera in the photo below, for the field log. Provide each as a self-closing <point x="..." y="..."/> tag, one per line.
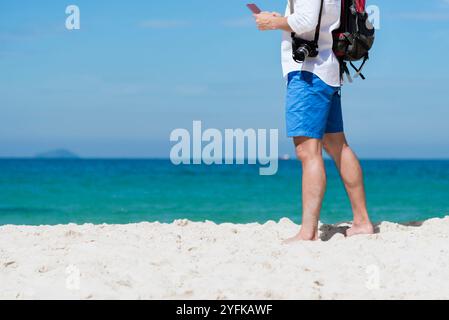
<point x="303" y="49"/>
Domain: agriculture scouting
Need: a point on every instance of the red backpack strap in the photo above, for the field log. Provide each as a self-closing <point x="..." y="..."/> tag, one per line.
<point x="360" y="5"/>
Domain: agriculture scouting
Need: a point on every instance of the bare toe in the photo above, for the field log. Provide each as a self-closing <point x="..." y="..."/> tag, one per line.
<point x="300" y="237"/>
<point x="360" y="229"/>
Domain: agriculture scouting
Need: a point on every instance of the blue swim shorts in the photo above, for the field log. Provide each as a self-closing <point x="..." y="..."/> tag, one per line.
<point x="313" y="108"/>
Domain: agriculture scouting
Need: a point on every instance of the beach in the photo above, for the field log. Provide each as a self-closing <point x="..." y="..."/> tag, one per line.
<point x="204" y="260"/>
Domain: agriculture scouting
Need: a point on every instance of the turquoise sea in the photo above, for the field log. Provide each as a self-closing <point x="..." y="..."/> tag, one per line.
<point x="37" y="192"/>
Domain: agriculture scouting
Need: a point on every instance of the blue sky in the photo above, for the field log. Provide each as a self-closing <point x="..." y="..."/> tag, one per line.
<point x="139" y="69"/>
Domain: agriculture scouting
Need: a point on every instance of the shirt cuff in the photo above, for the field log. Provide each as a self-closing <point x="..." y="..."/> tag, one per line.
<point x="291" y="22"/>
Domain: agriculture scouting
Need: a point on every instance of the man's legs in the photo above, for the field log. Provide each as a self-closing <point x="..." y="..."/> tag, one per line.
<point x="309" y="151"/>
<point x="350" y="170"/>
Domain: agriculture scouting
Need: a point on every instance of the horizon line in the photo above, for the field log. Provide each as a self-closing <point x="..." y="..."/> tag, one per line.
<point x="168" y="159"/>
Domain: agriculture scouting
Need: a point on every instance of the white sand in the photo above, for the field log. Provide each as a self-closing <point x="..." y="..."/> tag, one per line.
<point x="186" y="260"/>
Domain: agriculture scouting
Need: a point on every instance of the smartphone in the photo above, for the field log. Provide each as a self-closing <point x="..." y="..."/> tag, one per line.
<point x="254" y="8"/>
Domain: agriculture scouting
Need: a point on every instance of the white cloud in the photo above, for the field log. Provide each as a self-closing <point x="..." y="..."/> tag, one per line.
<point x="444" y="3"/>
<point x="424" y="16"/>
<point x="440" y="14"/>
<point x="164" y="24"/>
<point x="191" y="90"/>
<point x="239" y="22"/>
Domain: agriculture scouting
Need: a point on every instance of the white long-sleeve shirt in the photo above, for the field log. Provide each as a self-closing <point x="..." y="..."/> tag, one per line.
<point x="304" y="22"/>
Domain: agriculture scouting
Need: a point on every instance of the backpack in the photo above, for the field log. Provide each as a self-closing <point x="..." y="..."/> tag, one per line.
<point x="354" y="38"/>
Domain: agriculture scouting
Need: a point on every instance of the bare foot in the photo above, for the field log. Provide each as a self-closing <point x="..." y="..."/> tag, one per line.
<point x="301" y="237"/>
<point x="359" y="229"/>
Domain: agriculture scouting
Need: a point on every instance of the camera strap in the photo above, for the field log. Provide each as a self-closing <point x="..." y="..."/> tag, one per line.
<point x="318" y="27"/>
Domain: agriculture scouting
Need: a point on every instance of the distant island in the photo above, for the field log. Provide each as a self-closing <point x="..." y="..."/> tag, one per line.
<point x="57" y="154"/>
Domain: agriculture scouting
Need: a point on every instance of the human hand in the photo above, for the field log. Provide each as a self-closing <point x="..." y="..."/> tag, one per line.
<point x="266" y="20"/>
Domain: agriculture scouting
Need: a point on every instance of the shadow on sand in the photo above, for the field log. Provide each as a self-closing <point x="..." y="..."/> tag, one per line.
<point x="328" y="231"/>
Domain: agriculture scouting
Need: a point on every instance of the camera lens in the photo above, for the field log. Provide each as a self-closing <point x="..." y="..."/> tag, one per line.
<point x="302" y="53"/>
